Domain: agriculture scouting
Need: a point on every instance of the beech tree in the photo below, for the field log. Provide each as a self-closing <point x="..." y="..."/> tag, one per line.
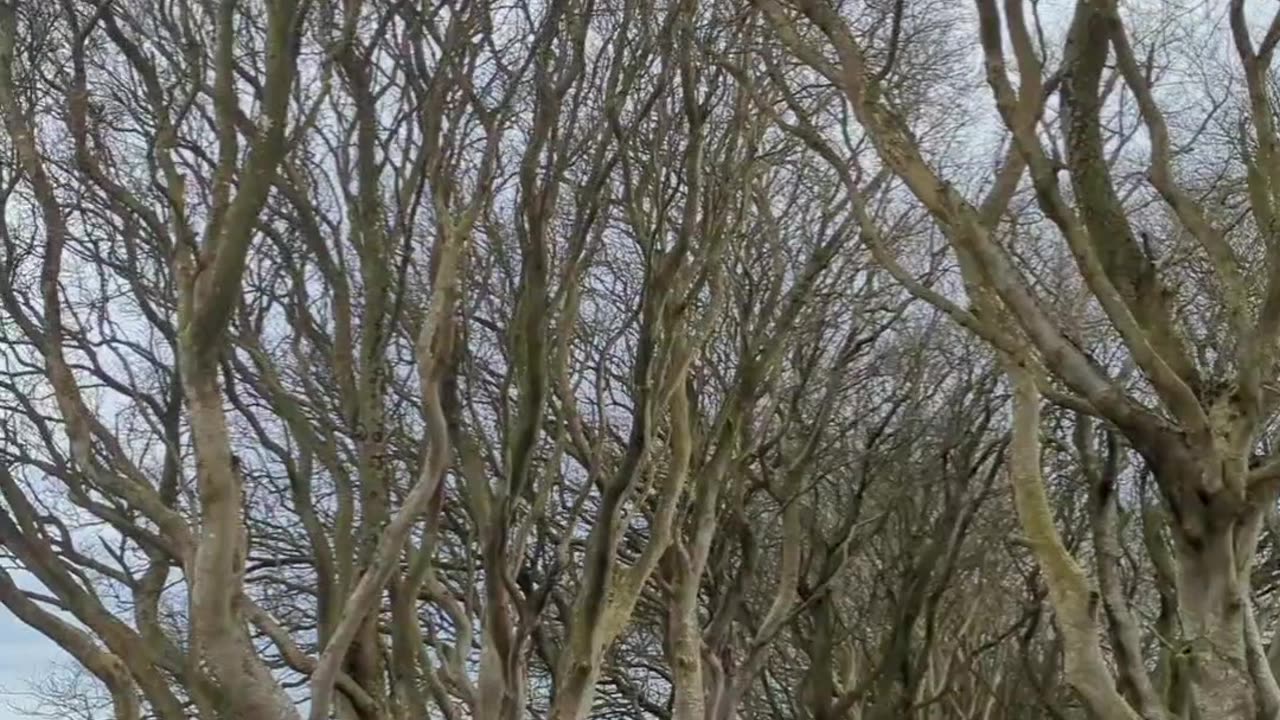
<point x="387" y="359"/>
<point x="1183" y="369"/>
<point x="359" y="399"/>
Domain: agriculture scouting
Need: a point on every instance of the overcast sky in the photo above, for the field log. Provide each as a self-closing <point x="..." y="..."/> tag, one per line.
<point x="24" y="655"/>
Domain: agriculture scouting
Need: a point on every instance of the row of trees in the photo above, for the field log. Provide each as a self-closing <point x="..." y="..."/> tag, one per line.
<point x="387" y="359"/>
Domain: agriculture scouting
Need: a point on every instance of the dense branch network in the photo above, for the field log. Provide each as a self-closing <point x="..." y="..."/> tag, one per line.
<point x="387" y="359"/>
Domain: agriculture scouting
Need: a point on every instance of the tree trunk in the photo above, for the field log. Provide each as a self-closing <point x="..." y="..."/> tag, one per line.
<point x="684" y="643"/>
<point x="216" y="575"/>
<point x="1214" y="528"/>
<point x="501" y="683"/>
<point x="504" y="648"/>
<point x="576" y="690"/>
<point x="1211" y="604"/>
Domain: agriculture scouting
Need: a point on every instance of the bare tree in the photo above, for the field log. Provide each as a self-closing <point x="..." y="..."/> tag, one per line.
<point x="1200" y="405"/>
<point x="590" y="358"/>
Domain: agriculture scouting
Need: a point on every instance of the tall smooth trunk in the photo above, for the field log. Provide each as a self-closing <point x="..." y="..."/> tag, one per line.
<point x="1211" y="610"/>
<point x="684" y="640"/>
<point x="503" y="679"/>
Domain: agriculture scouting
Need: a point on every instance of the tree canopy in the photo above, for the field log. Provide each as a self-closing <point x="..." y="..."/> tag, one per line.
<point x="642" y="359"/>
